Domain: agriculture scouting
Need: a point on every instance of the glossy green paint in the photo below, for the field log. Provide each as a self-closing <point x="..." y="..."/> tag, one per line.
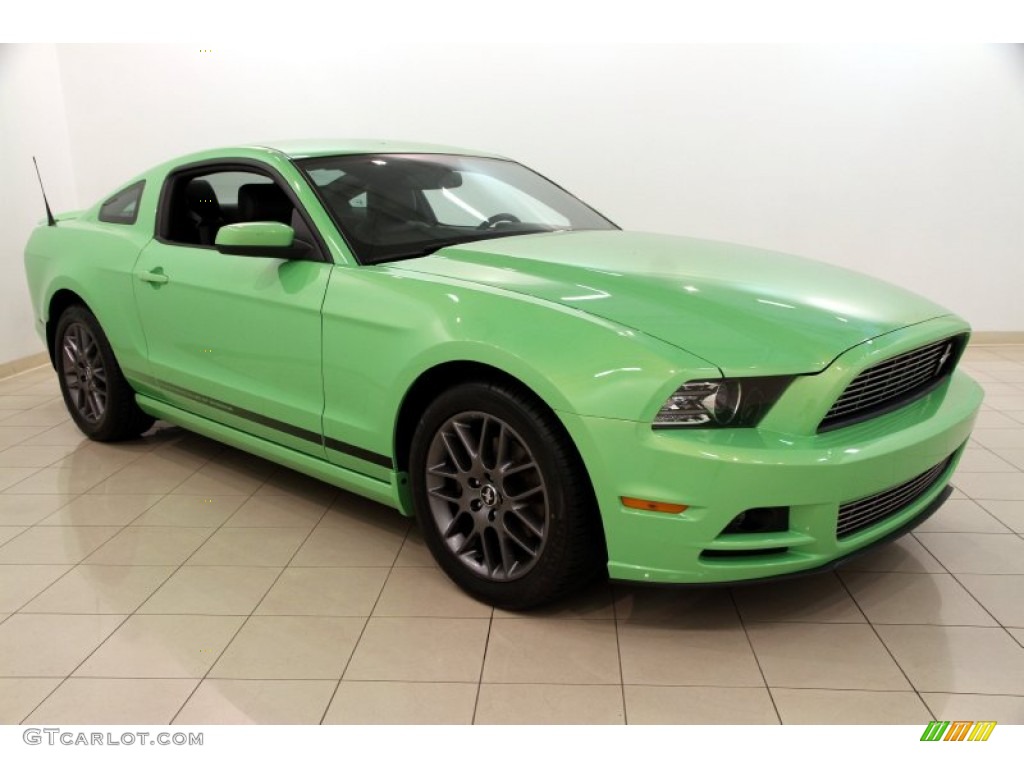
<point x="255" y="234"/>
<point x="602" y="326"/>
<point x="726" y="303"/>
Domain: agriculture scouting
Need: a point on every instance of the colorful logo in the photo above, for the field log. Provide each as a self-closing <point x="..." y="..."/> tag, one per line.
<point x="958" y="730"/>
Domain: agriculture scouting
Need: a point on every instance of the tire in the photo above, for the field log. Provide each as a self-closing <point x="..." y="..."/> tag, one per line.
<point x="97" y="396"/>
<point x="502" y="497"/>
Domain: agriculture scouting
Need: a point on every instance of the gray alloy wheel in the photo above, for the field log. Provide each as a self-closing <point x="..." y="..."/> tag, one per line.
<point x="85" y="374"/>
<point x="502" y="497"/>
<point x="487" y="496"/>
<point x="99" y="399"/>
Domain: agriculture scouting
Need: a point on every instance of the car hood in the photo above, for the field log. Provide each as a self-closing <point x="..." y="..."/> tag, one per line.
<point x="746" y="310"/>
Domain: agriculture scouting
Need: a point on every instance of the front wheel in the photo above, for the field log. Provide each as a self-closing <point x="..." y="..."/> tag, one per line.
<point x="97" y="396"/>
<point x="502" y="498"/>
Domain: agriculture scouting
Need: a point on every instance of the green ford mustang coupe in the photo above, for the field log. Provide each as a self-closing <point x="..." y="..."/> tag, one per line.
<point x="453" y="335"/>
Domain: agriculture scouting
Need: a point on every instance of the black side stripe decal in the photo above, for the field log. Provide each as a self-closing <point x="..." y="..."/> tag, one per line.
<point x="265" y="421"/>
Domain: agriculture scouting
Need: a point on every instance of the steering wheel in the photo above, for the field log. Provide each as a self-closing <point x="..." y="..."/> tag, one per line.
<point x="499" y="218"/>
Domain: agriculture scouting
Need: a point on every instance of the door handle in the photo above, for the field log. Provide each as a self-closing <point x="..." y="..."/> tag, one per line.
<point x="152" y="277"/>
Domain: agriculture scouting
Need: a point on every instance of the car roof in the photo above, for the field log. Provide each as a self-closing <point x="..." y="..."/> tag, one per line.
<point x="299" y="148"/>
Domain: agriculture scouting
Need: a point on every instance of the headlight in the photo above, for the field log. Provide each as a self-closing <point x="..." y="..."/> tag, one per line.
<point x="721" y="402"/>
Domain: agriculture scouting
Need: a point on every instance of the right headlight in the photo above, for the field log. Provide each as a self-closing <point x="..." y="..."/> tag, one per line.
<point x="721" y="402"/>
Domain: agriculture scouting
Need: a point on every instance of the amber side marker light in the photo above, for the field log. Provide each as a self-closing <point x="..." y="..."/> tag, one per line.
<point x="652" y="506"/>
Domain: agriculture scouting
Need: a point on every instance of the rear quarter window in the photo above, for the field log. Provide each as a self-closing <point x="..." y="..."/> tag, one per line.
<point x="123" y="207"/>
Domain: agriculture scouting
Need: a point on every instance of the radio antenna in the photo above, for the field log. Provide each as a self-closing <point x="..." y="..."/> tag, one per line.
<point x="49" y="214"/>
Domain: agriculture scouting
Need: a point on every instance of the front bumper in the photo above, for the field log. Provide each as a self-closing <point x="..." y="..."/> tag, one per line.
<point x="720" y="473"/>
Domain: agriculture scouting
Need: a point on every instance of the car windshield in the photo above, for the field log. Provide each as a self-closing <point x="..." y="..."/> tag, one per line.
<point x="399" y="206"/>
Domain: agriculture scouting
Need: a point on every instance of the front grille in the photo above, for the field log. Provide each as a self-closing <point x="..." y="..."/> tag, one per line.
<point x="894" y="382"/>
<point x="857" y="515"/>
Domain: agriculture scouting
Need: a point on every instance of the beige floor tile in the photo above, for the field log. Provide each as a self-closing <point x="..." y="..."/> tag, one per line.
<point x="212" y="590"/>
<point x="698" y="705"/>
<point x="1006" y="710"/>
<point x="983" y="486"/>
<point x="976" y="552"/>
<point x="431" y="650"/>
<point x="40" y="416"/>
<point x="20" y="695"/>
<point x="533" y="704"/>
<point x="1017" y="633"/>
<point x="278" y="511"/>
<point x="20" y="583"/>
<point x="414" y="552"/>
<point x="1014" y="456"/>
<point x="56" y="544"/>
<point x="1006" y="402"/>
<point x="149" y="474"/>
<point x="162" y="646"/>
<point x="285" y="482"/>
<point x="668" y="654"/>
<point x="1009" y="513"/>
<point x="48" y="645"/>
<point x="818" y="598"/>
<point x="139" y="545"/>
<point x="100" y="589"/>
<point x="594" y="602"/>
<point x="426" y="592"/>
<point x="397" y="703"/>
<point x="250" y="546"/>
<point x="101" y="459"/>
<point x="915" y="598"/>
<point x="257" y="702"/>
<point x="552" y="651"/>
<point x="29" y="509"/>
<point x="98" y="509"/>
<point x="983" y="460"/>
<point x="353" y="542"/>
<point x="87" y="701"/>
<point x="995" y="420"/>
<point x="215" y="479"/>
<point x="957" y="659"/>
<point x="11" y="436"/>
<point x="191" y="511"/>
<point x="695" y="607"/>
<point x="905" y="555"/>
<point x="55" y="480"/>
<point x="809" y="706"/>
<point x="23" y="402"/>
<point x="1000" y="438"/>
<point x="1002" y="596"/>
<point x="324" y="592"/>
<point x="290" y="648"/>
<point x="824" y="656"/>
<point x="33" y="455"/>
<point x="8" y="532"/>
<point x="11" y="478"/>
<point x="62" y="434"/>
<point x="962" y="516"/>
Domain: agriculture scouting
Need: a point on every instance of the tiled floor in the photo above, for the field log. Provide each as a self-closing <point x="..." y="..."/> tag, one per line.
<point x="176" y="580"/>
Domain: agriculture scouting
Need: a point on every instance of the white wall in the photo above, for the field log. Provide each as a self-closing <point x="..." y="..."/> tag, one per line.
<point x="905" y="162"/>
<point x="32" y="122"/>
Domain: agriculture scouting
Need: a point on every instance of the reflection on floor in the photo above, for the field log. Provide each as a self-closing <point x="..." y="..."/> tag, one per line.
<point x="176" y="580"/>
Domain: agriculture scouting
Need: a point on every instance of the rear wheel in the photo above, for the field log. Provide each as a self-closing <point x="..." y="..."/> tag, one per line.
<point x="502" y="498"/>
<point x="98" y="397"/>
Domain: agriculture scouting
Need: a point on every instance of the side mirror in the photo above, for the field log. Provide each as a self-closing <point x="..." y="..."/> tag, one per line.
<point x="259" y="238"/>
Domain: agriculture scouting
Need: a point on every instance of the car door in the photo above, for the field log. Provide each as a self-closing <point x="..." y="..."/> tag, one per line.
<point x="236" y="339"/>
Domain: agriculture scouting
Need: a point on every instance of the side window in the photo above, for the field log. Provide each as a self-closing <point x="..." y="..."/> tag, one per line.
<point x="123" y="207"/>
<point x="201" y="203"/>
